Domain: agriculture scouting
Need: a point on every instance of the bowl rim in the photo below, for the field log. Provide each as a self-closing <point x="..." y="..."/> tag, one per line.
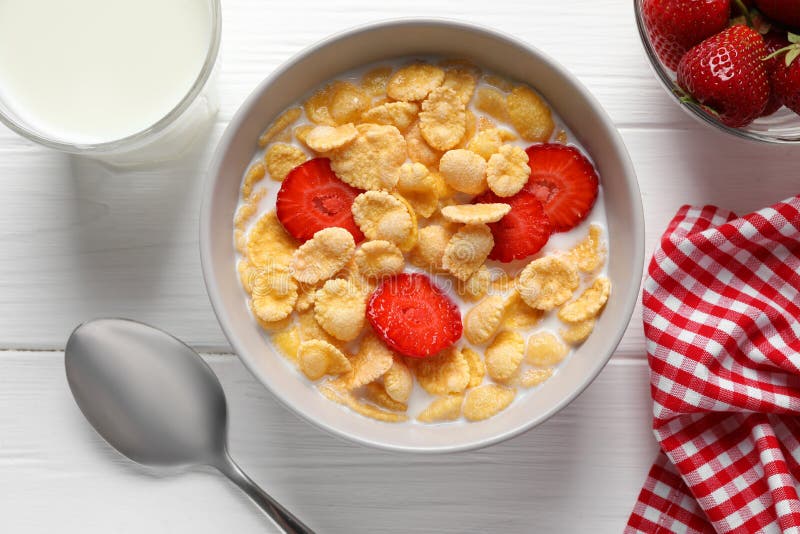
<point x="210" y="276"/>
<point x="693" y="109"/>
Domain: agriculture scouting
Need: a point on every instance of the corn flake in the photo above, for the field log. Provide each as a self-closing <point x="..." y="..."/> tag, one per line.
<point x="467" y="250"/>
<point x="268" y="243"/>
<point x="488" y="141"/>
<point x="476" y="213"/>
<point x="414" y="82"/>
<point x="305" y="297"/>
<point x="415" y="177"/>
<point x="382" y="216"/>
<point x="518" y="314"/>
<point x="441" y="409"/>
<point x="418" y="148"/>
<point x="339" y="308"/>
<point x="279" y="125"/>
<point x="254" y="175"/>
<point x="460" y="63"/>
<point x="529" y="115"/>
<point x="398" y="381"/>
<point x="271" y="326"/>
<point x="274" y="293"/>
<point x="431" y="244"/>
<point x="464" y="171"/>
<point x="589" y="254"/>
<point x="487" y="400"/>
<point x="545" y="349"/>
<point x="470" y="127"/>
<point x="482" y="321"/>
<point x="310" y="329"/>
<point x="534" y="377"/>
<point x="288" y="342"/>
<point x="492" y="102"/>
<point x="240" y="240"/>
<point x="419" y="187"/>
<point x="347" y="102"/>
<point x="507" y="171"/>
<point x="547" y="282"/>
<point x="462" y="81"/>
<point x="443" y="119"/>
<point x="589" y="304"/>
<point x="446" y="372"/>
<point x="323" y="255"/>
<point x="401" y="115"/>
<point x="378" y="259"/>
<point x="477" y="369"/>
<point x="576" y="333"/>
<point x="318" y="358"/>
<point x="282" y="158"/>
<point x="332" y="392"/>
<point x="246" y="272"/>
<point x="370" y="363"/>
<point x="376" y="394"/>
<point x="477" y="285"/>
<point x="504" y="355"/>
<point x="247" y="210"/>
<point x="375" y="81"/>
<point x="317" y="107"/>
<point x="498" y="81"/>
<point x="325" y="138"/>
<point x="373" y="159"/>
<point x="302" y="131"/>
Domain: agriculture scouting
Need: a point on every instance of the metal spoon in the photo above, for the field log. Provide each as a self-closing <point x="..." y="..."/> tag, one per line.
<point x="157" y="402"/>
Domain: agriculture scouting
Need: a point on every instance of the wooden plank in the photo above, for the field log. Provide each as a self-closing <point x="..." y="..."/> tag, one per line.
<point x="579" y="471"/>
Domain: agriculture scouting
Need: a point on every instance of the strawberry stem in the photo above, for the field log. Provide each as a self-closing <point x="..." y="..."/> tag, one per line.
<point x="791" y="50"/>
<point x="686" y="98"/>
<point x="745" y="12"/>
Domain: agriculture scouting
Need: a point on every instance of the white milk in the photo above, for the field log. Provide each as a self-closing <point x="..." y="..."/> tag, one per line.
<point x="93" y="71"/>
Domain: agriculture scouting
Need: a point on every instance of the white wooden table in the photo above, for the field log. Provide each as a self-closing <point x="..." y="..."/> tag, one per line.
<point x="80" y="241"/>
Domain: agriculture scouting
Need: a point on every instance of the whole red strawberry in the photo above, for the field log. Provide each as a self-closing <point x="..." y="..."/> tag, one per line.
<point x="674" y="26"/>
<point x="785" y="78"/>
<point x="774" y="41"/>
<point x="725" y="73"/>
<point x="784" y="11"/>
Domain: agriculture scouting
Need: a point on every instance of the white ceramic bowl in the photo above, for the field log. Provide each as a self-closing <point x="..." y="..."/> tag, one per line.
<point x="382" y="41"/>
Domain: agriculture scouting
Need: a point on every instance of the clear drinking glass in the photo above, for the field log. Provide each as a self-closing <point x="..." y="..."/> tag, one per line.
<point x="167" y="138"/>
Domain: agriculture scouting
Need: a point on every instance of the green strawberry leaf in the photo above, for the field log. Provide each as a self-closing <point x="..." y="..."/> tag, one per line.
<point x="793" y="37"/>
<point x="792" y="55"/>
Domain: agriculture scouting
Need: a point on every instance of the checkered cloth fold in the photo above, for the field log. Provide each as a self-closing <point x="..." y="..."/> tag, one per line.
<point x="722" y="321"/>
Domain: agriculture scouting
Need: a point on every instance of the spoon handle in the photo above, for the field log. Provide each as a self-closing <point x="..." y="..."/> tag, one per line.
<point x="282" y="517"/>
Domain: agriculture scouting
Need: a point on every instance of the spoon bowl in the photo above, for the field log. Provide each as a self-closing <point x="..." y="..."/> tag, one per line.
<point x="122" y="374"/>
<point x="155" y="400"/>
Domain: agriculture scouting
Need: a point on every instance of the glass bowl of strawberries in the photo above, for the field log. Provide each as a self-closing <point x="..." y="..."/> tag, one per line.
<point x="732" y="64"/>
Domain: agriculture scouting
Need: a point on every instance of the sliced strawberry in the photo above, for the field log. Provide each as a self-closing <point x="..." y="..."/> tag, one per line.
<point x="413" y="316"/>
<point x="564" y="181"/>
<point x="312" y="197"/>
<point x="523" y="231"/>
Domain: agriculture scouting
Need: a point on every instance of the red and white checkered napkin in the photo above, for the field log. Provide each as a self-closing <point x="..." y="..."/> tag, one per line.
<point x="722" y="320"/>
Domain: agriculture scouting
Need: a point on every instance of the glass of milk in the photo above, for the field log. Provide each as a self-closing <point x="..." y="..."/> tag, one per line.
<point x="125" y="81"/>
